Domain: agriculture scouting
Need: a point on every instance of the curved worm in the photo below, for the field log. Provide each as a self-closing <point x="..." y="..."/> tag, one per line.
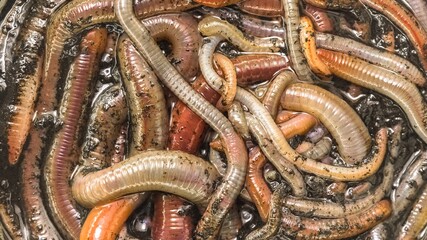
<point x="417" y="218"/>
<point x="336" y="115"/>
<point x="332" y="4"/>
<point x="376" y="56"/>
<point x="292" y="22"/>
<point x="222" y="199"/>
<point x="419" y="8"/>
<point x="320" y="18"/>
<point x="216" y="3"/>
<point x="345" y="227"/>
<point x="272" y="8"/>
<point x="236" y="115"/>
<point x="357" y="191"/>
<point x="272" y="226"/>
<point x="230" y="83"/>
<point x="392" y="85"/>
<point x="63" y="151"/>
<point x="232" y="224"/>
<point x="147" y="104"/>
<point x="406" y="22"/>
<point x="272" y="96"/>
<point x="106" y="120"/>
<point x="210" y="26"/>
<point x="298" y="125"/>
<point x="320" y="150"/>
<point x="308" y="46"/>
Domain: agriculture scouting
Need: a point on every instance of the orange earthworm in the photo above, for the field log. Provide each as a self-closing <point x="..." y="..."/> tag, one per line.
<point x="299" y="125"/>
<point x="230" y="83"/>
<point x="271" y="8"/>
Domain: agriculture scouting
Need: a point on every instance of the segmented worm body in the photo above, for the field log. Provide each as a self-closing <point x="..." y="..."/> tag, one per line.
<point x="333" y="4"/>
<point x="417" y="218"/>
<point x="216" y="3"/>
<point x="320" y="18"/>
<point x="230" y="83"/>
<point x="419" y="7"/>
<point x="272" y="96"/>
<point x="298" y="125"/>
<point x="272" y="8"/>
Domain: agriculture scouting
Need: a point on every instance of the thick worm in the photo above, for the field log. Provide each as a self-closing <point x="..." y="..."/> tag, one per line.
<point x="272" y="8"/>
<point x="322" y="22"/>
<point x="390" y="84"/>
<point x="373" y="55"/>
<point x="63" y="153"/>
<point x="336" y="115"/>
<point x="222" y="199"/>
<point x="417" y="218"/>
<point x="272" y="96"/>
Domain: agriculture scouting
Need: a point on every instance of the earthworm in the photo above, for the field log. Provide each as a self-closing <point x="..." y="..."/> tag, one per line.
<point x="180" y="30"/>
<point x="339" y="228"/>
<point x="333" y="4"/>
<point x="106" y="120"/>
<point x="236" y="115"/>
<point x="419" y="8"/>
<point x="292" y="22"/>
<point x="272" y="96"/>
<point x="336" y="115"/>
<point x="257" y="188"/>
<point x="308" y="46"/>
<point x="417" y="218"/>
<point x="286" y="169"/>
<point x="62" y="153"/>
<point x="272" y="8"/>
<point x="223" y="198"/>
<point x="336" y="188"/>
<point x="9" y="218"/>
<point x="406" y="21"/>
<point x="358" y="190"/>
<point x="285" y="115"/>
<point x="216" y="3"/>
<point x="375" y="56"/>
<point x="380" y="232"/>
<point x="328" y="209"/>
<point x="392" y="85"/>
<point x="210" y="26"/>
<point x="147" y="104"/>
<point x="320" y="18"/>
<point x="272" y="226"/>
<point x="232" y="224"/>
<point x="120" y="145"/>
<point x="228" y="91"/>
<point x="320" y="150"/>
<point x="108" y="62"/>
<point x="411" y="182"/>
<point x="298" y="125"/>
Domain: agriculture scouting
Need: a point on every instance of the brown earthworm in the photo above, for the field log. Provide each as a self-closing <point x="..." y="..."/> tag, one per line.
<point x="406" y="21"/>
<point x="390" y="84"/>
<point x="216" y="3"/>
<point x="147" y="104"/>
<point x="210" y="26"/>
<point x="236" y="115"/>
<point x="272" y="8"/>
<point x="272" y="96"/>
<point x="257" y="188"/>
<point x="62" y="153"/>
<point x="358" y="190"/>
<point x="229" y="188"/>
<point x="292" y="22"/>
<point x="419" y="8"/>
<point x="339" y="228"/>
<point x="285" y="115"/>
<point x="272" y="225"/>
<point x="228" y="91"/>
<point x="332" y="4"/>
<point x="308" y="45"/>
<point x="375" y="56"/>
<point x="320" y="18"/>
<point x="335" y="114"/>
<point x="298" y="125"/>
<point x="105" y="122"/>
<point x="120" y="145"/>
<point x="417" y="218"/>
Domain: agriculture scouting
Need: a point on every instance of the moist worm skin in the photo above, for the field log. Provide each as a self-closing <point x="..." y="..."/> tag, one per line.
<point x="216" y="3"/>
<point x="231" y="226"/>
<point x="271" y="99"/>
<point x="271" y="8"/>
<point x="210" y="26"/>
<point x="332" y="4"/>
<point x="298" y="125"/>
<point x="105" y="122"/>
<point x="320" y="150"/>
<point x="180" y="30"/>
<point x="390" y="84"/>
<point x="339" y="228"/>
<point x="236" y="115"/>
<point x="230" y="83"/>
<point x="417" y="218"/>
<point x="63" y="152"/>
<point x="419" y="8"/>
<point x="336" y="115"/>
<point x="372" y="55"/>
<point x="320" y="18"/>
<point x="229" y="188"/>
<point x="406" y="21"/>
<point x="147" y="104"/>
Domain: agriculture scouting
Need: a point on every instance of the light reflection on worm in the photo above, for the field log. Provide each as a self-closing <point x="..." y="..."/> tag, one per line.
<point x="417" y="218"/>
<point x="271" y="8"/>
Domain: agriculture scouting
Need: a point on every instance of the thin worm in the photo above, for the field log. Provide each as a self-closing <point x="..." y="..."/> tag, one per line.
<point x="272" y="226"/>
<point x="298" y="125"/>
<point x="216" y="3"/>
<point x="419" y="8"/>
<point x="147" y="104"/>
<point x="272" y="96"/>
<point x="375" y="56"/>
<point x="339" y="228"/>
<point x="392" y="85"/>
<point x="335" y="114"/>
<point x="332" y="4"/>
<point x="272" y="8"/>
<point x="328" y="209"/>
<point x="228" y="91"/>
<point x="256" y="186"/>
<point x="292" y="22"/>
<point x="226" y="193"/>
<point x="320" y="18"/>
<point x="210" y="26"/>
<point x="417" y="218"/>
<point x="62" y="153"/>
<point x="406" y="21"/>
<point x="308" y="45"/>
<point x="236" y="115"/>
<point x="105" y="122"/>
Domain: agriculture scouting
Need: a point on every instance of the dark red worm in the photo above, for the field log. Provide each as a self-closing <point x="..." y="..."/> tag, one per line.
<point x="320" y="18"/>
<point x="63" y="152"/>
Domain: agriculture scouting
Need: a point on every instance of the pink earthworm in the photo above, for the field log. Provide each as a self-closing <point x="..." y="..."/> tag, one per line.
<point x="320" y="18"/>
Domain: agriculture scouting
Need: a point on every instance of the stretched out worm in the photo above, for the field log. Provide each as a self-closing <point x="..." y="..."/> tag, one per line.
<point x="336" y="115"/>
<point x="222" y="199"/>
<point x="419" y="7"/>
<point x="417" y="218"/>
<point x="210" y="26"/>
<point x="406" y="21"/>
<point x="272" y="96"/>
<point x="63" y="152"/>
<point x="272" y="8"/>
<point x="373" y="55"/>
<point x="320" y="18"/>
<point x="390" y="84"/>
<point x="339" y="228"/>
